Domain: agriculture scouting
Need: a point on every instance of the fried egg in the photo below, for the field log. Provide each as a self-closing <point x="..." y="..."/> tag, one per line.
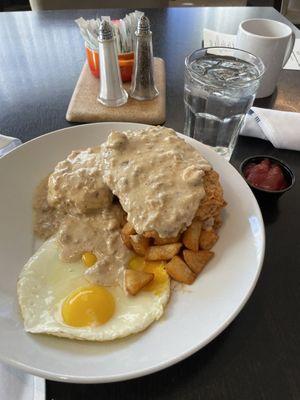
<point x="55" y="298"/>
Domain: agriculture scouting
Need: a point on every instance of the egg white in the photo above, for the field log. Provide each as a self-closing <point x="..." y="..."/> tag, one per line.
<point x="45" y="282"/>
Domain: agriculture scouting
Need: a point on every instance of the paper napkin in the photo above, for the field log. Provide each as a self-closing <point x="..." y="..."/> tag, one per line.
<point x="7" y="143"/>
<point x="15" y="384"/>
<point x="281" y="128"/>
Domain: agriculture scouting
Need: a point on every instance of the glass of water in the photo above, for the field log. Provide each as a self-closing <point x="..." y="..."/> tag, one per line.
<point x="219" y="89"/>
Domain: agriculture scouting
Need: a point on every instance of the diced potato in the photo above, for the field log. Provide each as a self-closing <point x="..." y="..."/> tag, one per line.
<point x="151" y="234"/>
<point x="140" y="244"/>
<point x="197" y="261"/>
<point x="126" y="231"/>
<point x="179" y="271"/>
<point x="164" y="252"/>
<point x="160" y="241"/>
<point x="136" y="280"/>
<point x="191" y="236"/>
<point x="208" y="239"/>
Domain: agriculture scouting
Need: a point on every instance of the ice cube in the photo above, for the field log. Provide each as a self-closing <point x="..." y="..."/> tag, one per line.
<point x="224" y="74"/>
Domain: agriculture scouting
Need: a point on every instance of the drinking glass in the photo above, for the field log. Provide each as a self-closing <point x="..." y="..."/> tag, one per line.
<point x="220" y="87"/>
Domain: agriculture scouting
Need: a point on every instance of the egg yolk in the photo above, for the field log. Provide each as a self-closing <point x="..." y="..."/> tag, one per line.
<point x="161" y="277"/>
<point x="88" y="259"/>
<point x="88" y="306"/>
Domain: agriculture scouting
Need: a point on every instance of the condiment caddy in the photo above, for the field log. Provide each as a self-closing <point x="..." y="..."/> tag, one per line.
<point x="111" y="91"/>
<point x="84" y="107"/>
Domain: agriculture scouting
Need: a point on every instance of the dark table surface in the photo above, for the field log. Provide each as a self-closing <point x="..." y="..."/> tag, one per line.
<point x="258" y="355"/>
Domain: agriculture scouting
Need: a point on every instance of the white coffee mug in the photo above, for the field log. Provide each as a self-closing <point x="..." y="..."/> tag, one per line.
<point x="270" y="40"/>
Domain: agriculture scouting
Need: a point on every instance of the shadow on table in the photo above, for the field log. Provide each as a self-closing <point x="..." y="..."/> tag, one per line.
<point x="267" y="102"/>
<point x="269" y="210"/>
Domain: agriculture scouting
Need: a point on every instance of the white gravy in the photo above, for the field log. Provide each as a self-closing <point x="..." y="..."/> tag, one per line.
<point x="75" y="204"/>
<point x="157" y="177"/>
<point x="76" y="185"/>
<point x="100" y="235"/>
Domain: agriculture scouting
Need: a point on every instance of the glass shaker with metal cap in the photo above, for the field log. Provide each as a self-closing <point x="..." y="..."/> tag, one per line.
<point x="111" y="92"/>
<point x="142" y="82"/>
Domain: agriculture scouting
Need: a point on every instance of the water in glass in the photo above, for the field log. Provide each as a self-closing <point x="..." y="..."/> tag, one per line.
<point x="218" y="92"/>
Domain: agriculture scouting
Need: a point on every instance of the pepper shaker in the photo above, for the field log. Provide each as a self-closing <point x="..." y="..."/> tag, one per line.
<point x="142" y="82"/>
<point x="111" y="92"/>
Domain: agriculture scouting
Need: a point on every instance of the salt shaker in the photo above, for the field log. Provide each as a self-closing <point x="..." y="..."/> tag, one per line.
<point x="111" y="92"/>
<point x="142" y="82"/>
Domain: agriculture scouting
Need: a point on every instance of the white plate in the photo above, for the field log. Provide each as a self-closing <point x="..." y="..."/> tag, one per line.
<point x="194" y="315"/>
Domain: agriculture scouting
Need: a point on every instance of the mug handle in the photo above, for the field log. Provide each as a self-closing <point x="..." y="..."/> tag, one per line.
<point x="289" y="49"/>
